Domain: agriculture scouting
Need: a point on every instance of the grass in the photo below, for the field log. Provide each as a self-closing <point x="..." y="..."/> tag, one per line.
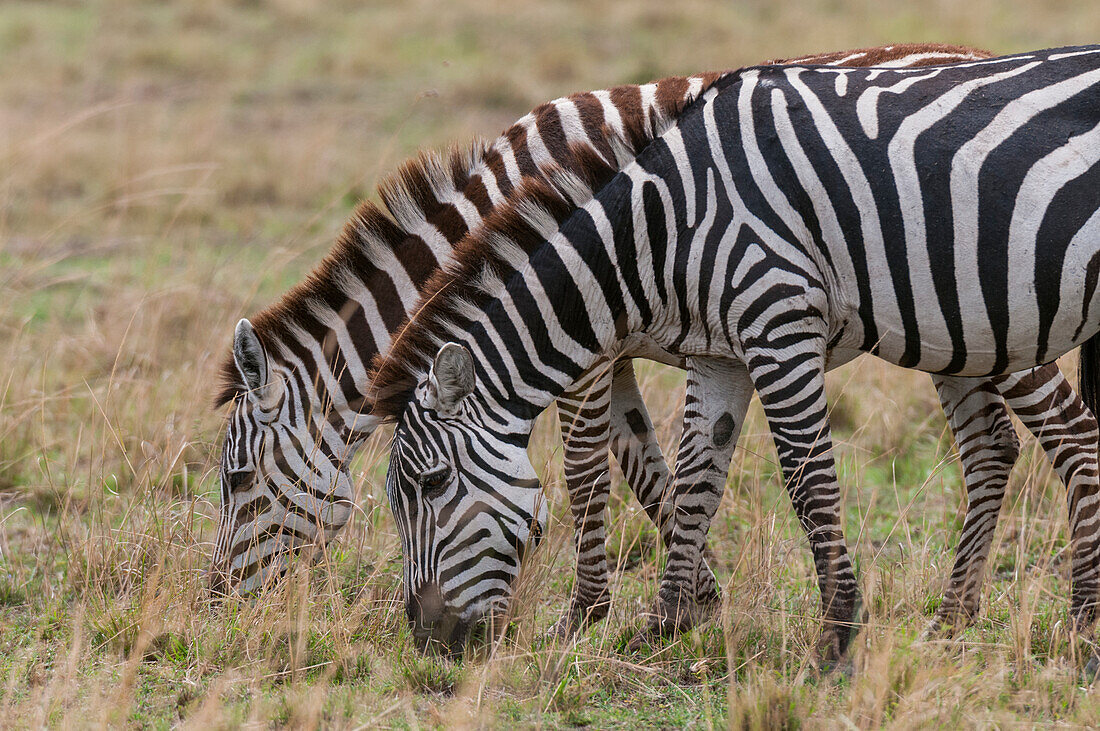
<point x="170" y="167"/>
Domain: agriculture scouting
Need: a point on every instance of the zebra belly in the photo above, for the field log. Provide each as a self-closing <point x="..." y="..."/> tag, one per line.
<point x="1042" y="318"/>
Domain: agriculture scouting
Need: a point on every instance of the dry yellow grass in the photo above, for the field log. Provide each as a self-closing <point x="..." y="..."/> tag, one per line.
<point x="170" y="167"/>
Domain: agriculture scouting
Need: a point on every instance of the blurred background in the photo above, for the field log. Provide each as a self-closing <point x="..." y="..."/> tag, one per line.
<point x="169" y="167"/>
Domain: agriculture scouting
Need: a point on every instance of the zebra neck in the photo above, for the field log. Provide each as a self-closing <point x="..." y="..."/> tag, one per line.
<point x="563" y="312"/>
<point x="327" y="351"/>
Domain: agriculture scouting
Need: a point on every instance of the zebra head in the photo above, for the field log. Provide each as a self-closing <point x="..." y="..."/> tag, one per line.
<point x="285" y="486"/>
<point x="466" y="501"/>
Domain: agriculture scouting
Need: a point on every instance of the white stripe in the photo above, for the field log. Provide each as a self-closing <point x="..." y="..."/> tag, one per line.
<point x="508" y="155"/>
<point x="539" y="152"/>
<point x="610" y="112"/>
<point x="867" y="104"/>
<point x="354" y="288"/>
<point x="571" y="123"/>
<point x="675" y="140"/>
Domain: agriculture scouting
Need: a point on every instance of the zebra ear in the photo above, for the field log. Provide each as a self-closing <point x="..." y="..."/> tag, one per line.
<point x="251" y="360"/>
<point x="450" y="380"/>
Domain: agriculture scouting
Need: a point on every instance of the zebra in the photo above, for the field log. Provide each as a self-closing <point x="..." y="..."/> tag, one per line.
<point x="783" y="224"/>
<point x="294" y="376"/>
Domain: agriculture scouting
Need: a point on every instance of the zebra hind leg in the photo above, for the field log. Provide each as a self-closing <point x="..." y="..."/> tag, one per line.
<point x="1067" y="431"/>
<point x="988" y="449"/>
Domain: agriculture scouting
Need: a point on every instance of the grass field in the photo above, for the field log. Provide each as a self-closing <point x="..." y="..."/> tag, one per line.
<point x="168" y="167"/>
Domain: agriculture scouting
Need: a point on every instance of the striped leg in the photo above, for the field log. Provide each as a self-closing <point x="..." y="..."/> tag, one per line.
<point x="585" y="430"/>
<point x="596" y="412"/>
<point x="789" y="375"/>
<point x="718" y="395"/>
<point x="988" y="448"/>
<point x="634" y="444"/>
<point x="1052" y="411"/>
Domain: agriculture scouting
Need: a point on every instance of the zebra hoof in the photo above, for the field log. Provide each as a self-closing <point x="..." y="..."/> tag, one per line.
<point x="843" y="667"/>
<point x="643" y="639"/>
<point x="950" y="620"/>
<point x="564" y="629"/>
<point x="938" y="630"/>
<point x="1092" y="667"/>
<point x="662" y="624"/>
<point x="646" y="637"/>
<point x="834" y="646"/>
<point x="577" y="619"/>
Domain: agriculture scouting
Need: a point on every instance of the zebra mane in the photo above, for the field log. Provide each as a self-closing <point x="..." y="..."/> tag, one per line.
<point x="909" y="55"/>
<point x="421" y="191"/>
<point x="481" y="262"/>
<point x="372" y="239"/>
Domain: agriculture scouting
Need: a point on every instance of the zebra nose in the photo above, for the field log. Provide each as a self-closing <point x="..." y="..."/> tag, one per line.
<point x="425" y="608"/>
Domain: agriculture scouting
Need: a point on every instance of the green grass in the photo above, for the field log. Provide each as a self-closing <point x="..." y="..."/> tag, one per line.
<point x="171" y="167"/>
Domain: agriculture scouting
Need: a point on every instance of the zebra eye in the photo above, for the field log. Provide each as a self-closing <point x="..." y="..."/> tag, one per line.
<point x="239" y="479"/>
<point x="435" y="479"/>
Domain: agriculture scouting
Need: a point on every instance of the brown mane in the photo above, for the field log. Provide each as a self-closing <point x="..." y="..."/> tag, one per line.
<point x="937" y="53"/>
<point x="355" y="251"/>
<point x="510" y="234"/>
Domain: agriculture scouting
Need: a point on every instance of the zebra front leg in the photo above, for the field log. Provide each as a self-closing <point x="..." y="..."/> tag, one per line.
<point x="988" y="449"/>
<point x="584" y="419"/>
<point x="788" y="371"/>
<point x="1066" y="429"/>
<point x="718" y="395"/>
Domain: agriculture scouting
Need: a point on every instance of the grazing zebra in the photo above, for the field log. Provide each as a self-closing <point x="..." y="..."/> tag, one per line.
<point x="792" y="213"/>
<point x="295" y="374"/>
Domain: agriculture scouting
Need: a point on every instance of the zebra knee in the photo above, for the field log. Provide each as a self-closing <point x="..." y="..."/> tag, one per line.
<point x="1006" y="441"/>
<point x="995" y="445"/>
